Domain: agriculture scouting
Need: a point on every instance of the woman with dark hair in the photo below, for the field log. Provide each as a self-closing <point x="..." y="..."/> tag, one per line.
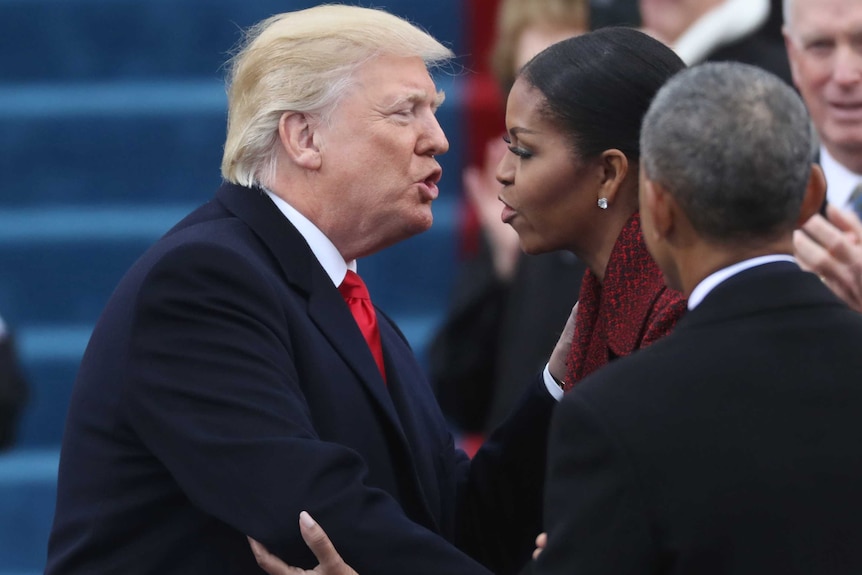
<point x="570" y="182"/>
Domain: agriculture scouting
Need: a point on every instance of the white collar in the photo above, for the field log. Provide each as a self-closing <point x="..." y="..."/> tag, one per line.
<point x="322" y="248"/>
<point x="711" y="281"/>
<point x="724" y="24"/>
<point x="840" y="181"/>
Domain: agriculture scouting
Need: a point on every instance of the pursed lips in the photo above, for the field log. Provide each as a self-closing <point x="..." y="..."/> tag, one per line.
<point x="428" y="185"/>
<point x="508" y="213"/>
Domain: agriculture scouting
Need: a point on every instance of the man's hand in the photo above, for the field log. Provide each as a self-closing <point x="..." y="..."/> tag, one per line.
<point x="832" y="248"/>
<point x="317" y="540"/>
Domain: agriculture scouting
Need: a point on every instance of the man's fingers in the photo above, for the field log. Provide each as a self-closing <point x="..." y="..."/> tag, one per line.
<point x="838" y="236"/>
<point x="319" y="543"/>
<point x="845" y="220"/>
<point x="809" y="253"/>
<point x="269" y="562"/>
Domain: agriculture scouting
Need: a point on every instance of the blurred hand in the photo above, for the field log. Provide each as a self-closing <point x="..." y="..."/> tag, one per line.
<point x="557" y="363"/>
<point x="832" y="248"/>
<point x="315" y="537"/>
<point x="481" y="189"/>
<point x="541" y="541"/>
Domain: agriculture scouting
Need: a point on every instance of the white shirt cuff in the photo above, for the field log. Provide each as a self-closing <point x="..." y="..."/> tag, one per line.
<point x="552" y="386"/>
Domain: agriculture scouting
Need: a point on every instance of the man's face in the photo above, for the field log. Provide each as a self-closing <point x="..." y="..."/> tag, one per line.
<point x="824" y="44"/>
<point x="378" y="171"/>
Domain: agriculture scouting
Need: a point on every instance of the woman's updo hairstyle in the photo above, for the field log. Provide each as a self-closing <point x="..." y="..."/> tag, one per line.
<point x="598" y="86"/>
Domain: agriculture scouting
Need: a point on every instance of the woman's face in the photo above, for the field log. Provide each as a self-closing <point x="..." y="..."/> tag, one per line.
<point x="549" y="195"/>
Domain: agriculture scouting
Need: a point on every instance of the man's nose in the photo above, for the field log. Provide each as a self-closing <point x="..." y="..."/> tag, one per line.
<point x="848" y="65"/>
<point x="437" y="142"/>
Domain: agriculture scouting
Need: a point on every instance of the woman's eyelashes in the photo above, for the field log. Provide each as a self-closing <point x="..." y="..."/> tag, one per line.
<point x="522" y="153"/>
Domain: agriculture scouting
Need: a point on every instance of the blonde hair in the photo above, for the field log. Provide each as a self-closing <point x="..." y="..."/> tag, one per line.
<point x="304" y="61"/>
<point x="515" y="16"/>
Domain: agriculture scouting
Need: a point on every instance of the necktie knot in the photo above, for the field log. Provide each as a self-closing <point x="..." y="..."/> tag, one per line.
<point x="353" y="287"/>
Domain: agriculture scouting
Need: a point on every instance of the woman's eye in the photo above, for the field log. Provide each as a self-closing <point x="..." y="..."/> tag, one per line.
<point x="521" y="152"/>
<point x="517" y="150"/>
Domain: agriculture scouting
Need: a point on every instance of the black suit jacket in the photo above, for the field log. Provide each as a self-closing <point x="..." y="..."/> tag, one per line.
<point x="729" y="447"/>
<point x="227" y="387"/>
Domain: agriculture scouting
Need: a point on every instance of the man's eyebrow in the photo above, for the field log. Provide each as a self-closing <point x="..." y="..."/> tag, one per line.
<point x="419" y="96"/>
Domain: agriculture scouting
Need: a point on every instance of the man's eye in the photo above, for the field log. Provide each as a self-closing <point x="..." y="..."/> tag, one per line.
<point x="819" y="46"/>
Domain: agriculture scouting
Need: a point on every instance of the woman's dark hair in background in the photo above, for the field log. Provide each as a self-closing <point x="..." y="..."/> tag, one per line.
<point x="598" y="86"/>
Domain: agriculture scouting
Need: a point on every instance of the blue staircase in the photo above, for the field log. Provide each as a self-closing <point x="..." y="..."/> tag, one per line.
<point x="112" y="118"/>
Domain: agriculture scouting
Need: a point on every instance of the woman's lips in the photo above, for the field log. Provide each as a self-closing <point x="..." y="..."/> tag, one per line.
<point x="508" y="214"/>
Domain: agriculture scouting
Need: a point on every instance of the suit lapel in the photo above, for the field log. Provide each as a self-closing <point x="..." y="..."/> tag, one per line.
<point x="304" y="273"/>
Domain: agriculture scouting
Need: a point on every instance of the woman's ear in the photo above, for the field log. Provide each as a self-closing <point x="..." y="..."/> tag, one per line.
<point x="614" y="166"/>
<point x="815" y="195"/>
<point x="296" y="132"/>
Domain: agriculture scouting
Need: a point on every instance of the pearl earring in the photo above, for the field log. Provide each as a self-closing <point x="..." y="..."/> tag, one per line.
<point x="603" y="203"/>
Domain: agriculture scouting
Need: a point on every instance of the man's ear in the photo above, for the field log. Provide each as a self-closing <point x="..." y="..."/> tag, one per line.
<point x="296" y="133"/>
<point x="815" y="195"/>
<point x="614" y="168"/>
<point x="659" y="206"/>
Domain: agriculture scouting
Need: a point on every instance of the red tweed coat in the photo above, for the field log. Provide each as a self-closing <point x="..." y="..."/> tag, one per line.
<point x="631" y="309"/>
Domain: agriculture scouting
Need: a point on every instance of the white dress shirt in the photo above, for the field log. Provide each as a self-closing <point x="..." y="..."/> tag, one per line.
<point x="840" y="182"/>
<point x="323" y="249"/>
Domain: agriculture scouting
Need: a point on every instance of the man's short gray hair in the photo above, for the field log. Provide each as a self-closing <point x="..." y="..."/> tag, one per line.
<point x="733" y="145"/>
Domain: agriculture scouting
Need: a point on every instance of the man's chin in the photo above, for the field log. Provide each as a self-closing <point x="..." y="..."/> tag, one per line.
<point x="844" y="136"/>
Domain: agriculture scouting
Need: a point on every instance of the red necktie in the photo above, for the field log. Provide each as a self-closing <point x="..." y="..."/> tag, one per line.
<point x="355" y="293"/>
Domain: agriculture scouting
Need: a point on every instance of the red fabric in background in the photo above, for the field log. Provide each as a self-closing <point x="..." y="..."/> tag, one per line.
<point x="484" y="110"/>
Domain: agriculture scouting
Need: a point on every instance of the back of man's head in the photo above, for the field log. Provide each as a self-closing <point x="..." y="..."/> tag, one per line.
<point x="732" y="144"/>
<point x="304" y="61"/>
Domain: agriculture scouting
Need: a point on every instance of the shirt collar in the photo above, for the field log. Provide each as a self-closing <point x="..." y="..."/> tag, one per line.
<point x="322" y="248"/>
<point x="840" y="181"/>
<point x="711" y="281"/>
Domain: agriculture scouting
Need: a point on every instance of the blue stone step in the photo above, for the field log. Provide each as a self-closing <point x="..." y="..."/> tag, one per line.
<point x="50" y="355"/>
<point x="108" y="39"/>
<point x="28" y="489"/>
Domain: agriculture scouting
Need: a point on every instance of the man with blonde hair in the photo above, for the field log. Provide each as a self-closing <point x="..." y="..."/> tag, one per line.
<point x="239" y="373"/>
